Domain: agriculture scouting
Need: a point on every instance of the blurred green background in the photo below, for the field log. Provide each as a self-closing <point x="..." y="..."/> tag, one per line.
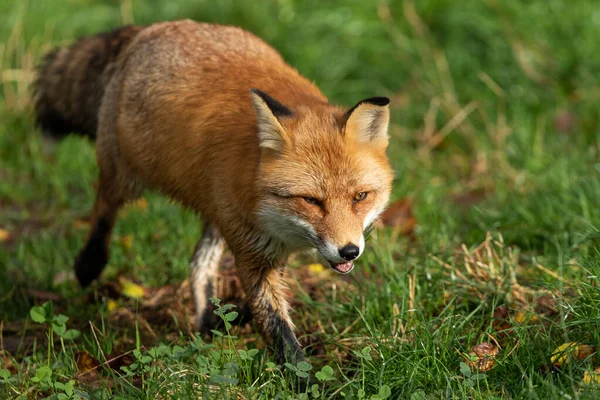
<point x="495" y="128"/>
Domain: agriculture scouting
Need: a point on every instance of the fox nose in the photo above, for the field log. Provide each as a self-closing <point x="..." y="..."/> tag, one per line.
<point x="349" y="252"/>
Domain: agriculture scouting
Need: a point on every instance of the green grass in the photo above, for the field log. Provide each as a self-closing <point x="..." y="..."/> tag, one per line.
<point x="495" y="130"/>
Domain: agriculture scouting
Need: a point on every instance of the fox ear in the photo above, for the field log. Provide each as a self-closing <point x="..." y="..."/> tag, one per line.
<point x="368" y="121"/>
<point x="271" y="135"/>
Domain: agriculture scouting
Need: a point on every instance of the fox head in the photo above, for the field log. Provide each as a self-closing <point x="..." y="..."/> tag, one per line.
<point x="324" y="175"/>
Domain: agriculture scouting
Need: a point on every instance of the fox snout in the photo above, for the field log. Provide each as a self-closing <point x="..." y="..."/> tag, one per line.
<point x="341" y="257"/>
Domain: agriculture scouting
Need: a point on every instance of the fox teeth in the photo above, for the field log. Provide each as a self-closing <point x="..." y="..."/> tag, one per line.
<point x="343" y="268"/>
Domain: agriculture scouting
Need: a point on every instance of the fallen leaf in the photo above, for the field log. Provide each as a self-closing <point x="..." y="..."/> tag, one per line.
<point x="591" y="377"/>
<point x="399" y="216"/>
<point x="568" y="351"/>
<point x="41" y="295"/>
<point x="520" y="317"/>
<point x="126" y="241"/>
<point x="483" y="357"/>
<point x="112" y="305"/>
<point x="316" y="268"/>
<point x="526" y="318"/>
<point x="131" y="289"/>
<point x="85" y="361"/>
<point x="88" y="371"/>
<point x="501" y="313"/>
<point x="546" y="305"/>
<point x="4" y="235"/>
<point x="7" y="362"/>
<point x="501" y="323"/>
<point x="470" y="198"/>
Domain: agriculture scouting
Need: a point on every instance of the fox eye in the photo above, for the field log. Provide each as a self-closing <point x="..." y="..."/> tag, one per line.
<point x="312" y="200"/>
<point x="360" y="196"/>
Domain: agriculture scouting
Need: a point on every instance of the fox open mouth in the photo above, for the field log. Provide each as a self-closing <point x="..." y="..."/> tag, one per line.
<point x="342" y="268"/>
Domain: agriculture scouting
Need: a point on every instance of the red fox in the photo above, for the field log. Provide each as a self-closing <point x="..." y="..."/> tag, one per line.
<point x="214" y="118"/>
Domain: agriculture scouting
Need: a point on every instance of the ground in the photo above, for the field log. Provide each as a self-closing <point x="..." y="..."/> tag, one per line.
<point x="481" y="281"/>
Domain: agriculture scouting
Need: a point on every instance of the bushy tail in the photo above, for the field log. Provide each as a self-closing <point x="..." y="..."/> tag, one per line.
<point x="71" y="80"/>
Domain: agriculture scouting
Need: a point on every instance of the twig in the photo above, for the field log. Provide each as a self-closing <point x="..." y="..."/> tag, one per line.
<point x="106" y="362"/>
<point x="96" y="338"/>
<point x="552" y="273"/>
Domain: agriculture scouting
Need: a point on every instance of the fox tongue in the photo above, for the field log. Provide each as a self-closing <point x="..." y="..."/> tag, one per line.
<point x="343" y="267"/>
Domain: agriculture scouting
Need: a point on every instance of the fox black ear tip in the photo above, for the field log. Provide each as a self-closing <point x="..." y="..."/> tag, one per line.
<point x="257" y="92"/>
<point x="378" y="101"/>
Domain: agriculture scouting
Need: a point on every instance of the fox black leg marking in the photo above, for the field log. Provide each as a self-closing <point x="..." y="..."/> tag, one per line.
<point x="93" y="257"/>
<point x="280" y="331"/>
<point x="203" y="267"/>
<point x="264" y="287"/>
<point x="270" y="311"/>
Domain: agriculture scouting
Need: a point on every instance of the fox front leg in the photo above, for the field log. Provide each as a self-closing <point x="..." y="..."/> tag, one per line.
<point x="203" y="268"/>
<point x="264" y="287"/>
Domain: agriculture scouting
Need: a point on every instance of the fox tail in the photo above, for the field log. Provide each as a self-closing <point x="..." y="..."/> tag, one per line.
<point x="71" y="81"/>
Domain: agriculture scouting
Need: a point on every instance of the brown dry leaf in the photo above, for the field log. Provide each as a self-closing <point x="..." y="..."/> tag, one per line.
<point x="591" y="377"/>
<point x="483" y="357"/>
<point x="44" y="296"/>
<point x="546" y="305"/>
<point x="471" y="197"/>
<point x="4" y="235"/>
<point x="501" y="322"/>
<point x="501" y="313"/>
<point x="85" y="361"/>
<point x="7" y="362"/>
<point x="568" y="351"/>
<point x="399" y="215"/>
<point x="126" y="241"/>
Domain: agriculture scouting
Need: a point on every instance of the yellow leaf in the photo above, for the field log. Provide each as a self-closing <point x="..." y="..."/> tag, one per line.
<point x="4" y="235"/>
<point x="568" y="351"/>
<point x="523" y="318"/>
<point x="591" y="377"/>
<point x="316" y="268"/>
<point x="126" y="241"/>
<point x="112" y="305"/>
<point x="520" y="317"/>
<point x="131" y="289"/>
